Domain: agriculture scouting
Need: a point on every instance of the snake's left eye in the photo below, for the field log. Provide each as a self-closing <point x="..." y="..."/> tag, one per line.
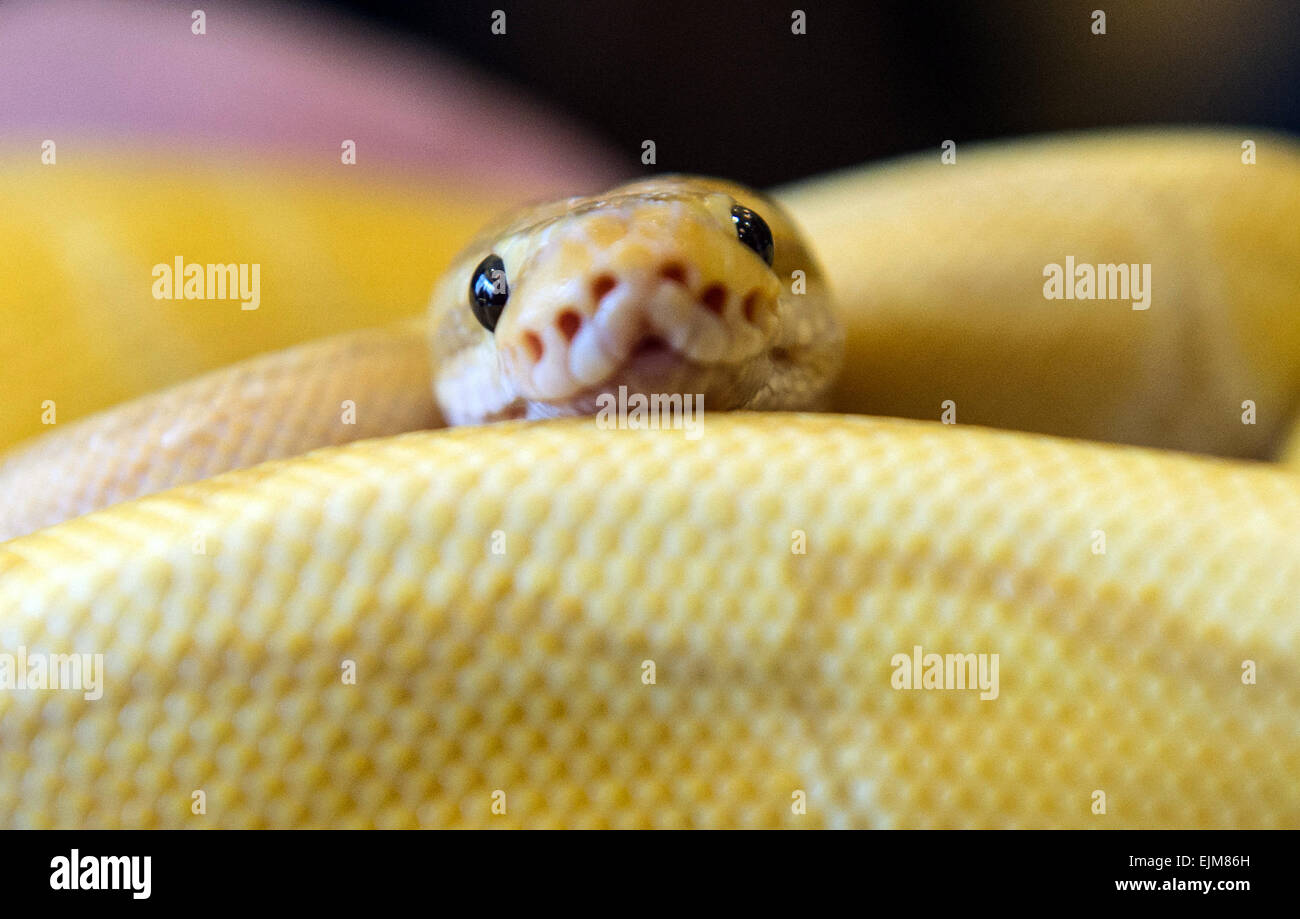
<point x="488" y="291"/>
<point x="753" y="232"/>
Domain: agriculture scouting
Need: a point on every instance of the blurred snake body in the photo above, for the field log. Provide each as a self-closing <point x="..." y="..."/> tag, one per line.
<point x="529" y="619"/>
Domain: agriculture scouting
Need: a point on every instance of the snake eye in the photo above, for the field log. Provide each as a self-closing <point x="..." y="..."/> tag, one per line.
<point x="753" y="232"/>
<point x="488" y="291"/>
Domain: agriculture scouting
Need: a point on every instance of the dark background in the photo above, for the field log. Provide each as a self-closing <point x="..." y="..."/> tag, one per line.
<point x="725" y="88"/>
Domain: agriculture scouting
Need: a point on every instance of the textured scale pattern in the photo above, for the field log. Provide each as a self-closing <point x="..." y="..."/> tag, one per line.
<point x="938" y="273"/>
<point x="348" y="387"/>
<point x="522" y="672"/>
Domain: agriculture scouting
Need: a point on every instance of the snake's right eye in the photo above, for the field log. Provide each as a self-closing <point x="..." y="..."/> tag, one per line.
<point x="488" y="291"/>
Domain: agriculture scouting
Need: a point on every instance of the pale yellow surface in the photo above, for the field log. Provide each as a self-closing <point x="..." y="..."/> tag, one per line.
<point x="338" y="250"/>
<point x="1120" y="672"/>
<point x="522" y="672"/>
<point x="331" y="391"/>
<point x="939" y="274"/>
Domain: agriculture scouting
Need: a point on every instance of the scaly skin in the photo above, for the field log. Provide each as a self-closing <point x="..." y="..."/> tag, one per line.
<point x="524" y="672"/>
<point x="332" y="391"/>
<point x="938" y="272"/>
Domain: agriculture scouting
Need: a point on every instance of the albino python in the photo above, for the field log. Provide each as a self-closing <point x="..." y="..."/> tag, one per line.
<point x="552" y="622"/>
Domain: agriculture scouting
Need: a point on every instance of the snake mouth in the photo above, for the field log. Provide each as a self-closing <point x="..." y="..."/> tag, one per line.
<point x="652" y="366"/>
<point x="651" y="344"/>
<point x="651" y="358"/>
<point x="655" y="369"/>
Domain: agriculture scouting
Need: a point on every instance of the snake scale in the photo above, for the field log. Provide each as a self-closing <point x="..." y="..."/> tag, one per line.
<point x="545" y="622"/>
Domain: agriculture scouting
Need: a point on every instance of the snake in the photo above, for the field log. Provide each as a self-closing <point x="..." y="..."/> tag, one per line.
<point x="946" y="551"/>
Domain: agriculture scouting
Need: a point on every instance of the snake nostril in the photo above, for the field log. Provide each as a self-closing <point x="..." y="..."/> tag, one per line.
<point x="602" y="284"/>
<point x="673" y="271"/>
<point x="568" y="322"/>
<point x="533" y="342"/>
<point x="714" y="298"/>
<point x="750" y="305"/>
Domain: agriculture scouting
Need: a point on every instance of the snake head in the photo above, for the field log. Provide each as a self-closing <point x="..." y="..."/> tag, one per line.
<point x="669" y="285"/>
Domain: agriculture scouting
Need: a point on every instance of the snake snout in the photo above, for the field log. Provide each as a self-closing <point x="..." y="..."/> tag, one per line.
<point x="670" y="307"/>
<point x="647" y="307"/>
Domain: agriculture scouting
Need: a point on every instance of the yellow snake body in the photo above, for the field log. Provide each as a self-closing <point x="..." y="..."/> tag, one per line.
<point x="550" y="623"/>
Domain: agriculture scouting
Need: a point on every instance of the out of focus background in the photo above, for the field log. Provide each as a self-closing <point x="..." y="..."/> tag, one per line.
<point x="727" y="88"/>
<point x="136" y="132"/>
